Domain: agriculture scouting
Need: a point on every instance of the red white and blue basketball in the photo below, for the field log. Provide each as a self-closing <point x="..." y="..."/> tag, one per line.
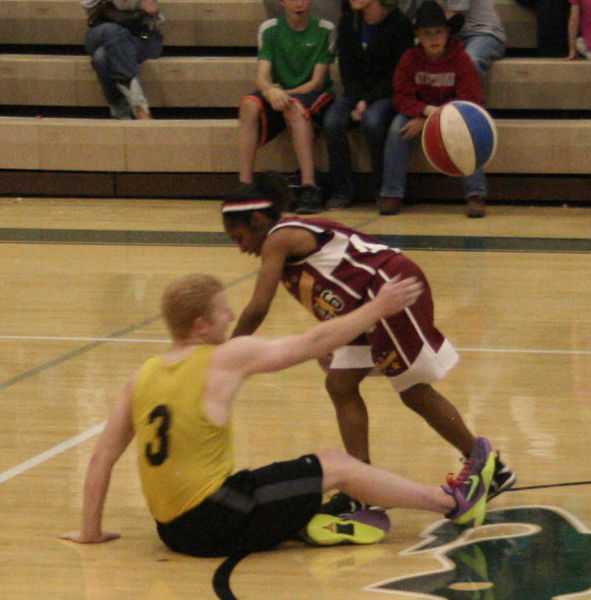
<point x="459" y="138"/>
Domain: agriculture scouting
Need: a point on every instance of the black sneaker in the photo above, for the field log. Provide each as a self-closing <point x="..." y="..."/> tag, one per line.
<point x="341" y="504"/>
<point x="502" y="480"/>
<point x="310" y="201"/>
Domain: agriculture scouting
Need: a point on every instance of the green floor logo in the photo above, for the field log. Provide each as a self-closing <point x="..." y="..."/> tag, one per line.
<point x="520" y="553"/>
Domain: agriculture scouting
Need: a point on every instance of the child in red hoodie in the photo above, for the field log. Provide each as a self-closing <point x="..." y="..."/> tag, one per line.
<point x="428" y="75"/>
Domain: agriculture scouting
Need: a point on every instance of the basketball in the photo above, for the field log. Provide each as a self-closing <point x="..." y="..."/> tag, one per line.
<point x="459" y="138"/>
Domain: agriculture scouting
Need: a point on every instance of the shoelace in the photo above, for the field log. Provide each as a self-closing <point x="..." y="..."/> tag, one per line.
<point x="463" y="475"/>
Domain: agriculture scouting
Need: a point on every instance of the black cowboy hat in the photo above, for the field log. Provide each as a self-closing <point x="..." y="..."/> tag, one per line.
<point x="431" y="14"/>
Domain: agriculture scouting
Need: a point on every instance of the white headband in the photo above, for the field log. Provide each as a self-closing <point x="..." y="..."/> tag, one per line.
<point x="246" y="205"/>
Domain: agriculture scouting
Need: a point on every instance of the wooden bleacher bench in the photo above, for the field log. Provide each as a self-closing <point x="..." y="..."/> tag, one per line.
<point x="209" y="145"/>
<point x="514" y="83"/>
<point x="168" y="82"/>
<point x="539" y="83"/>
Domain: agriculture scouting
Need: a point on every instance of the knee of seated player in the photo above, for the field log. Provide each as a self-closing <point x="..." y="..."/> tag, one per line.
<point x="336" y="467"/>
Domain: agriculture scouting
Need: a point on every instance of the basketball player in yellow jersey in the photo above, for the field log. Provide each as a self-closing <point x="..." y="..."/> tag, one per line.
<point x="178" y="405"/>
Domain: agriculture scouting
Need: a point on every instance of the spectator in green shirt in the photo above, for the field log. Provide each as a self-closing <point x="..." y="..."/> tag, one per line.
<point x="293" y="90"/>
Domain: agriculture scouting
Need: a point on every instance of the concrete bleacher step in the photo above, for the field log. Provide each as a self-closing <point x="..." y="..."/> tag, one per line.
<point x="191" y="22"/>
<point x="514" y="83"/>
<point x="209" y="146"/>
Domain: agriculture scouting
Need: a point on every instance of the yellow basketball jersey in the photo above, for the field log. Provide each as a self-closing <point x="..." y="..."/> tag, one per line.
<point x="183" y="457"/>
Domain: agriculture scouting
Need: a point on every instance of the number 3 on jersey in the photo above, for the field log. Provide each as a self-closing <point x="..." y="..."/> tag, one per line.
<point x="157" y="450"/>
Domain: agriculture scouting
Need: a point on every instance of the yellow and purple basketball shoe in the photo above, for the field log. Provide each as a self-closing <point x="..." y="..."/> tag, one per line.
<point x="361" y="527"/>
<point x="470" y="488"/>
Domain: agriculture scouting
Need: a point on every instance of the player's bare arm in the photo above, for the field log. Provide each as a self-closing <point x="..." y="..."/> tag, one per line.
<point x="276" y="249"/>
<point x="113" y="441"/>
<point x="246" y="356"/>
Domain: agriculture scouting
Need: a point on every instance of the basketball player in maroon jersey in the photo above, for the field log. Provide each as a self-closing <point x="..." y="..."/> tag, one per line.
<point x="331" y="269"/>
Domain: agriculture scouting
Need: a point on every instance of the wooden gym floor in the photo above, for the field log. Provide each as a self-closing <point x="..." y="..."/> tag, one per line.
<point x="81" y="281"/>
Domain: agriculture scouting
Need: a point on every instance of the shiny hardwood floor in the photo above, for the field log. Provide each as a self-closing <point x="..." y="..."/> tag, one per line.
<point x="77" y="318"/>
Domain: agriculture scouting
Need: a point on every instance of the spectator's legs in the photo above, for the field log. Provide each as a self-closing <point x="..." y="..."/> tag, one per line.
<point x="475" y="194"/>
<point x="375" y="123"/>
<point x="302" y="137"/>
<point x="248" y="137"/>
<point x="150" y="48"/>
<point x="336" y="124"/>
<point x="483" y="49"/>
<point x="116" y="55"/>
<point x="475" y="185"/>
<point x="582" y="48"/>
<point x="127" y="53"/>
<point x="94" y="41"/>
<point x="396" y="156"/>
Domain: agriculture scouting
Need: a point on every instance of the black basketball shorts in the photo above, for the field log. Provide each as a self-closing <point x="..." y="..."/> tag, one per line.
<point x="252" y="511"/>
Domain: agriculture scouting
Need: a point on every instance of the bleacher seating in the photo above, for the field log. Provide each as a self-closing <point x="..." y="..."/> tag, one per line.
<point x="538" y="102"/>
<point x="514" y="83"/>
<point x="188" y="22"/>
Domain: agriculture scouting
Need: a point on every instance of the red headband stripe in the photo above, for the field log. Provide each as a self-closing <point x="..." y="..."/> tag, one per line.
<point x="246" y="205"/>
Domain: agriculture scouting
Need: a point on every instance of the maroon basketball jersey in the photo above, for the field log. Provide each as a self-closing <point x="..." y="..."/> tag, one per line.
<point x="348" y="268"/>
<point x="335" y="278"/>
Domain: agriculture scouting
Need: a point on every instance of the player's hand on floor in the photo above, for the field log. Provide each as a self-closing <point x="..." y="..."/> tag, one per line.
<point x="76" y="536"/>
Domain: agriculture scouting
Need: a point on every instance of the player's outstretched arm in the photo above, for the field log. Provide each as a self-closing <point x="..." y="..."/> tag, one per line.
<point x="284" y="352"/>
<point x="242" y="356"/>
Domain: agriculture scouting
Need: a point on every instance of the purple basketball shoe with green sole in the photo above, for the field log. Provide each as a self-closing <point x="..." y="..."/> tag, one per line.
<point x="470" y="488"/>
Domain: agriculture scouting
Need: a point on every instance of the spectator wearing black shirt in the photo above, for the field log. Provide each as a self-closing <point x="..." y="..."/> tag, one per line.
<point x="370" y="39"/>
